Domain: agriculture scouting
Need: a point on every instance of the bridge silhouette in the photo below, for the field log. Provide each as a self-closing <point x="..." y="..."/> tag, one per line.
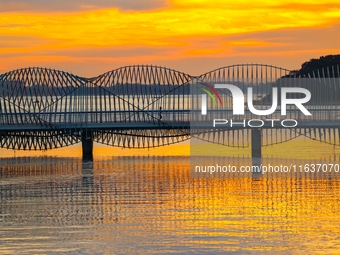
<point x="146" y="106"/>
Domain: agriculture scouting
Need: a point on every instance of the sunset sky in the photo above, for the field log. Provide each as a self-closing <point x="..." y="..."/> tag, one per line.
<point x="194" y="36"/>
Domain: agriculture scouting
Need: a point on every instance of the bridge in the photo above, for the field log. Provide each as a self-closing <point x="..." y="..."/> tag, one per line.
<point x="146" y="106"/>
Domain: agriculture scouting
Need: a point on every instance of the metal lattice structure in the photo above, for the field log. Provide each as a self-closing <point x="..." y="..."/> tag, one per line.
<point x="324" y="104"/>
<point x="144" y="94"/>
<point x="146" y="106"/>
<point x="128" y="107"/>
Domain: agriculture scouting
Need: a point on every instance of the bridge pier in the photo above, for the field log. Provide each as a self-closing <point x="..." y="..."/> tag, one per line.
<point x="256" y="143"/>
<point x="87" y="144"/>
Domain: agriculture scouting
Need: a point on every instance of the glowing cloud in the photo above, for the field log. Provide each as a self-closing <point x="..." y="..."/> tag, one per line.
<point x="179" y="29"/>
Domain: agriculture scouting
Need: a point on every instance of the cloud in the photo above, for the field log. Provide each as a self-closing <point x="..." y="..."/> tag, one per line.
<point x="78" y="5"/>
<point x="111" y="34"/>
<point x="164" y="27"/>
<point x="287" y="39"/>
<point x="14" y="44"/>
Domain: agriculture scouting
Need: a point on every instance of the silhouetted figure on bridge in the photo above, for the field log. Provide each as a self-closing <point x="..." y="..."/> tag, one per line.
<point x="160" y="113"/>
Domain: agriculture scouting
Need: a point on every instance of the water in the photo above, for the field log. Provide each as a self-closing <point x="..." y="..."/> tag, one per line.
<point x="151" y="205"/>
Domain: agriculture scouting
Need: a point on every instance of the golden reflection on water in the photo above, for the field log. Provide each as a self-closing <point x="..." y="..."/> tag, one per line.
<point x="146" y="205"/>
<point x="299" y="148"/>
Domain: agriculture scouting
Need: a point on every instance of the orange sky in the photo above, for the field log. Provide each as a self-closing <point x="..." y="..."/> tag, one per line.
<point x="194" y="36"/>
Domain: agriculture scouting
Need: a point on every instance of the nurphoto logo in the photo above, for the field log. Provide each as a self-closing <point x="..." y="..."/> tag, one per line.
<point x="239" y="105"/>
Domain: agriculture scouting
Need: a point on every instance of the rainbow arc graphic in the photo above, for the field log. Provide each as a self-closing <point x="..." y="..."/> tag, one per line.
<point x="213" y="94"/>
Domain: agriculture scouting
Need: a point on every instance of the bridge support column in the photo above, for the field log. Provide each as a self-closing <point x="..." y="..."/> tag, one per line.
<point x="256" y="143"/>
<point x="87" y="144"/>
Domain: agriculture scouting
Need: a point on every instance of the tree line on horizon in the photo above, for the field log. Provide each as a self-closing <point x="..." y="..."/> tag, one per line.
<point x="323" y="87"/>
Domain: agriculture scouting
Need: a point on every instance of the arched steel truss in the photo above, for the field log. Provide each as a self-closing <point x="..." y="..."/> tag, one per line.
<point x="137" y="106"/>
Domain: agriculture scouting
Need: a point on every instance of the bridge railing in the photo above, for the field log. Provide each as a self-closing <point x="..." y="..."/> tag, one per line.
<point x="153" y="116"/>
<point x="84" y="117"/>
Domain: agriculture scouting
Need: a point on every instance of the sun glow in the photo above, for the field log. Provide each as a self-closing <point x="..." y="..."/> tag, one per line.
<point x="180" y="30"/>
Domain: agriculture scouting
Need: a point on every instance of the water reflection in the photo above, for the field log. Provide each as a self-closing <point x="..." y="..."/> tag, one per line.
<point x="87" y="175"/>
<point x="153" y="205"/>
<point x="257" y="163"/>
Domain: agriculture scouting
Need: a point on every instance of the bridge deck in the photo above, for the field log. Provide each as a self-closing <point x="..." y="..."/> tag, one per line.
<point x="161" y="125"/>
